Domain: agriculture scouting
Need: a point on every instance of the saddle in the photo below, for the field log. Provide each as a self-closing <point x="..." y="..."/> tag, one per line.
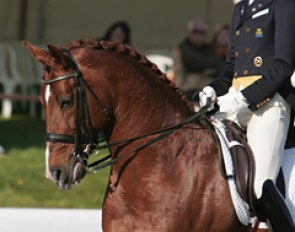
<point x="243" y="162"/>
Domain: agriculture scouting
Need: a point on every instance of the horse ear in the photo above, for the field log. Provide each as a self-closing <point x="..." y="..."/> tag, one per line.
<point x="57" y="53"/>
<point x="38" y="53"/>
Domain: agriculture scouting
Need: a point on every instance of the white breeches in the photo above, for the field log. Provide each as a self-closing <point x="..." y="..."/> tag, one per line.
<point x="267" y="130"/>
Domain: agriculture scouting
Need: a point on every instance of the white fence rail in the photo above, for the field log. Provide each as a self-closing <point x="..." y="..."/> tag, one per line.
<point x="49" y="220"/>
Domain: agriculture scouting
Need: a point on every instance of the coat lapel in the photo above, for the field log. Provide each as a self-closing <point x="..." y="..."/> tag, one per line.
<point x="239" y="14"/>
<point x="247" y="11"/>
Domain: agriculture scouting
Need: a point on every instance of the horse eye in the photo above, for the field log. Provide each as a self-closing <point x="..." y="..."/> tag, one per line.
<point x="66" y="102"/>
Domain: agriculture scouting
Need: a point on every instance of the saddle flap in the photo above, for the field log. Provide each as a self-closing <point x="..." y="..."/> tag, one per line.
<point x="243" y="161"/>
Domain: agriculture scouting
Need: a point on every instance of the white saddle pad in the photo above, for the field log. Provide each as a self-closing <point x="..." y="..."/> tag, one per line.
<point x="241" y="207"/>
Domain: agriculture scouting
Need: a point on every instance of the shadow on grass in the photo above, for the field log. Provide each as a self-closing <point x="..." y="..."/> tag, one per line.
<point x="21" y="132"/>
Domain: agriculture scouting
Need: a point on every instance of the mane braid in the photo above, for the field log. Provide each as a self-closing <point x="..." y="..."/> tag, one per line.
<point x="130" y="52"/>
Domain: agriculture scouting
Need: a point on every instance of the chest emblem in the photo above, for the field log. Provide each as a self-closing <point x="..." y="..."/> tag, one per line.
<point x="258" y="61"/>
<point x="259" y="33"/>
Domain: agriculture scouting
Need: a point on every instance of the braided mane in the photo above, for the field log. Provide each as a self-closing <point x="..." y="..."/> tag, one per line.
<point x="130" y="52"/>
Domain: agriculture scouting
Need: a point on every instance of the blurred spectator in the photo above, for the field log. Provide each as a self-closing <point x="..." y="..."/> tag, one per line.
<point x="119" y="32"/>
<point x="220" y="40"/>
<point x="195" y="64"/>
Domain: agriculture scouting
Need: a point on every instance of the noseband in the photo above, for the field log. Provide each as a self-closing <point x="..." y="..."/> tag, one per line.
<point x="84" y="133"/>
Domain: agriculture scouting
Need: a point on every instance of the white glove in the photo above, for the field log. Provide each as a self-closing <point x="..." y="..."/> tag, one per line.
<point x="231" y="103"/>
<point x="206" y="96"/>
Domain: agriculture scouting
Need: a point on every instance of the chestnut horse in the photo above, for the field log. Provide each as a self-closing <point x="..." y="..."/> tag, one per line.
<point x="171" y="184"/>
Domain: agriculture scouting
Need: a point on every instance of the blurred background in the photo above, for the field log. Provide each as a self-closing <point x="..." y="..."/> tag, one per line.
<point x="156" y="25"/>
<point x="166" y="31"/>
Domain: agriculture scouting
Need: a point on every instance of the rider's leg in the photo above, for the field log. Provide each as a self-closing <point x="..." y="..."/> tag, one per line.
<point x="272" y="206"/>
<point x="266" y="133"/>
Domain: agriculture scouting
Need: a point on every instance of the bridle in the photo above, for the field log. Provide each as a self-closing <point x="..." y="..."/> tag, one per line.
<point x="84" y="132"/>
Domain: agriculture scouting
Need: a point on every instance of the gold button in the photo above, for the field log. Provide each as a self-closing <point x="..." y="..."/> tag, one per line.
<point x="258" y="61"/>
<point x="248" y="29"/>
<point x="247" y="50"/>
<point x="238" y="33"/>
<point x="245" y="72"/>
<point x="266" y="100"/>
<point x="237" y="53"/>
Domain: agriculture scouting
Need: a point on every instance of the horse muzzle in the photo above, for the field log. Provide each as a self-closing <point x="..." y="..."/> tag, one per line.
<point x="65" y="178"/>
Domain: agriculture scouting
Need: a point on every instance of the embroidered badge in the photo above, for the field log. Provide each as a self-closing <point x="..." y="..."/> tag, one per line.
<point x="259" y="33"/>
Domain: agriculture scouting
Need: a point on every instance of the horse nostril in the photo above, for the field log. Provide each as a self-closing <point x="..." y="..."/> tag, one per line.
<point x="59" y="179"/>
<point x="56" y="173"/>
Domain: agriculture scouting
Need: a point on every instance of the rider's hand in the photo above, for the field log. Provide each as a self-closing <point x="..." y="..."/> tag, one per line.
<point x="231" y="103"/>
<point x="206" y="96"/>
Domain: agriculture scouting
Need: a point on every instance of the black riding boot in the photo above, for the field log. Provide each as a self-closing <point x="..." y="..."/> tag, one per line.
<point x="271" y="206"/>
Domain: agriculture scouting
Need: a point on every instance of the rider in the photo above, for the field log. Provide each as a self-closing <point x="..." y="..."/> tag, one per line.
<point x="256" y="92"/>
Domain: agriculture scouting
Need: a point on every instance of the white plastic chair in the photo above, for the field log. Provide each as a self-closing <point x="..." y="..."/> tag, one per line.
<point x="18" y="69"/>
<point x="163" y="62"/>
<point x="8" y="81"/>
<point x="27" y="70"/>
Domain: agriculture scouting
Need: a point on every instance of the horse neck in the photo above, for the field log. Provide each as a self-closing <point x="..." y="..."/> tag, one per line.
<point x="144" y="102"/>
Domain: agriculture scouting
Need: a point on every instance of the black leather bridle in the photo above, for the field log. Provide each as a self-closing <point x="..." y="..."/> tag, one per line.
<point x="84" y="133"/>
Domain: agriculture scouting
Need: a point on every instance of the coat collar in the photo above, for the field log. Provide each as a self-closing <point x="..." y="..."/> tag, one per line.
<point x="246" y="12"/>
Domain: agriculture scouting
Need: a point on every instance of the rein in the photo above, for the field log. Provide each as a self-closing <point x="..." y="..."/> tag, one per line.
<point x="100" y="164"/>
<point x="85" y="124"/>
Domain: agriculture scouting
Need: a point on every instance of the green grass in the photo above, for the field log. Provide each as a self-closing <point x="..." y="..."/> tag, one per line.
<point x="22" y="180"/>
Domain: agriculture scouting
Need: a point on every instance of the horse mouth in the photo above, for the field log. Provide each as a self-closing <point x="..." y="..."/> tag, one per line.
<point x="78" y="173"/>
<point x="67" y="181"/>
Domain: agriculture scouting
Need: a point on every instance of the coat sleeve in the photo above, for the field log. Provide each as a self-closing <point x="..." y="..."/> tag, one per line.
<point x="276" y="76"/>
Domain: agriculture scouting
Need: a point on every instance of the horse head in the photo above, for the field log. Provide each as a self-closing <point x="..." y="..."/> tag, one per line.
<point x="70" y="130"/>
